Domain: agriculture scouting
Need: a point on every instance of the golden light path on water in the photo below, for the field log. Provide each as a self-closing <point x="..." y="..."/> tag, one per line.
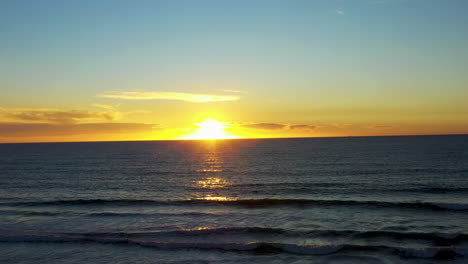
<point x="211" y="178"/>
<point x="212" y="182"/>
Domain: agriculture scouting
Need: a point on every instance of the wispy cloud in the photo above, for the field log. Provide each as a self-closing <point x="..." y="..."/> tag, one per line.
<point x="189" y="97"/>
<point x="234" y="91"/>
<point x="121" y="114"/>
<point x="277" y="126"/>
<point x="41" y="129"/>
<point x="104" y="106"/>
<point x="304" y="127"/>
<point x="266" y="126"/>
<point x="340" y="12"/>
<point x="54" y="115"/>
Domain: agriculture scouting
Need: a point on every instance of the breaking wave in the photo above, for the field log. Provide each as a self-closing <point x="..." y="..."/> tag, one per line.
<point x="255" y="247"/>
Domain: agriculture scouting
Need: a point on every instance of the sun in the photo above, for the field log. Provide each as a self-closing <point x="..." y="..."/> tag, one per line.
<point x="210" y="129"/>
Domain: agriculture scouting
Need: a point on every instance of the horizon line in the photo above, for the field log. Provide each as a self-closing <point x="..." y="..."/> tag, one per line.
<point x="252" y="138"/>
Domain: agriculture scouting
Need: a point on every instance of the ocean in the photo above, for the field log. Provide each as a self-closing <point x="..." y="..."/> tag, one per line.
<point x="312" y="200"/>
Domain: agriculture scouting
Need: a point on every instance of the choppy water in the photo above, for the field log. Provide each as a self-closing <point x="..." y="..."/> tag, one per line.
<point x="323" y="200"/>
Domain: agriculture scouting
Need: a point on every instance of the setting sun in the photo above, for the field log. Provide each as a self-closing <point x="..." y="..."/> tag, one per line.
<point x="210" y="129"/>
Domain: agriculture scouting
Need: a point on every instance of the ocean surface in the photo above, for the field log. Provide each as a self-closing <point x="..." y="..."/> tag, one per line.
<point x="317" y="200"/>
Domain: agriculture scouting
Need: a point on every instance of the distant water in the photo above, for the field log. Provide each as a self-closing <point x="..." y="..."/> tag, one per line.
<point x="318" y="200"/>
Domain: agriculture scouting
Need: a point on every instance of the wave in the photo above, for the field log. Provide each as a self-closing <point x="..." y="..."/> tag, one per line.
<point x="256" y="247"/>
<point x="436" y="238"/>
<point x="87" y="202"/>
<point x="250" y="203"/>
<point x="190" y="232"/>
<point x="350" y="187"/>
<point x="104" y="214"/>
<point x="31" y="213"/>
<point x="435" y="189"/>
<point x="123" y="214"/>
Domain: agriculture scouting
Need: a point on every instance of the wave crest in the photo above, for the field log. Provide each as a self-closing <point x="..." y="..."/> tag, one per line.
<point x="257" y="247"/>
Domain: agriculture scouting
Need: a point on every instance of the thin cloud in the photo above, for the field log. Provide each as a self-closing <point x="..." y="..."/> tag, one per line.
<point x="120" y="114"/>
<point x="277" y="126"/>
<point x="234" y="91"/>
<point x="41" y="129"/>
<point x="265" y="126"/>
<point x="54" y="115"/>
<point x="302" y="127"/>
<point x="188" y="97"/>
<point x="340" y="12"/>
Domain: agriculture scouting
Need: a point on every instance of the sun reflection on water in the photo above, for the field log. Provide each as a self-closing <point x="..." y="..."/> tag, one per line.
<point x="216" y="198"/>
<point x="209" y="170"/>
<point x="211" y="183"/>
<point x="210" y="178"/>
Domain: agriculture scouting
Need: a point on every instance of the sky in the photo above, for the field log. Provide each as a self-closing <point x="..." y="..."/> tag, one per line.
<point x="153" y="70"/>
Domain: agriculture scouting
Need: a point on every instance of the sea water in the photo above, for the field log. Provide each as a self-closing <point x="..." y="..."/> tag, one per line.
<point x="316" y="200"/>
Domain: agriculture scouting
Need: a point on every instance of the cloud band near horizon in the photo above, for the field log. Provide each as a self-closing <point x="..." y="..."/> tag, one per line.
<point x="49" y="130"/>
<point x="55" y="115"/>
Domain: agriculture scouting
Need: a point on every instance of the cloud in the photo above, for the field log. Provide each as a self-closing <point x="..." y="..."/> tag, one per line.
<point x="266" y="126"/>
<point x="339" y="12"/>
<point x="41" y="129"/>
<point x="302" y="127"/>
<point x="54" y="115"/>
<point x="189" y="97"/>
<point x="277" y="126"/>
<point x="234" y="91"/>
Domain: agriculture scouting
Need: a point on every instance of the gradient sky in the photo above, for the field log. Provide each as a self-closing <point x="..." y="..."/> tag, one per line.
<point x="129" y="70"/>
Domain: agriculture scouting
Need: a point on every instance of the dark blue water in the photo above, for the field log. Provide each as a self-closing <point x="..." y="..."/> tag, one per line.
<point x="319" y="200"/>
